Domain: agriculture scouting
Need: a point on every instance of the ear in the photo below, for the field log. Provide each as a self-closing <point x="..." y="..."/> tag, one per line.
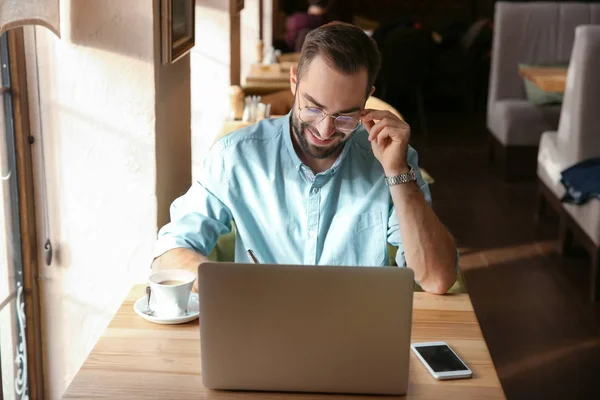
<point x="293" y="78"/>
<point x="372" y="91"/>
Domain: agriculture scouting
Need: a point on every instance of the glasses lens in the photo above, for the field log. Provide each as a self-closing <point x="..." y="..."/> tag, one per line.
<point x="311" y="115"/>
<point x="346" y="124"/>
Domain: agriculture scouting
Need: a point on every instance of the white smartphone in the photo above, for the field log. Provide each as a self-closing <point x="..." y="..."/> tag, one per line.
<point x="441" y="361"/>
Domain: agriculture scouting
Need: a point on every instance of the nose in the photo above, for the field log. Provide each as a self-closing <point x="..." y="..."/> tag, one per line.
<point x="326" y="127"/>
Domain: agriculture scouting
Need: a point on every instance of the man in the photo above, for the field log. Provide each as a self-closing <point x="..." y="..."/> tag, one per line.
<point x="311" y="187"/>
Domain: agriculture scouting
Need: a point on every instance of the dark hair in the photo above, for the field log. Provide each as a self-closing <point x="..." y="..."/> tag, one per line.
<point x="344" y="47"/>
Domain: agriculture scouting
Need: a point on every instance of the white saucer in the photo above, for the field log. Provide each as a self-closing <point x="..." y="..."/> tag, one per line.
<point x="192" y="312"/>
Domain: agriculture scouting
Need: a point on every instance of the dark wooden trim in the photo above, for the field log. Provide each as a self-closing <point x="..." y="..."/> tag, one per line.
<point x="515" y="163"/>
<point x="235" y="49"/>
<point x="595" y="276"/>
<point x="25" y="179"/>
<point x="276" y="22"/>
<point x="261" y="11"/>
<point x="540" y="204"/>
<point x="549" y="197"/>
<point x="570" y="229"/>
<point x="565" y="236"/>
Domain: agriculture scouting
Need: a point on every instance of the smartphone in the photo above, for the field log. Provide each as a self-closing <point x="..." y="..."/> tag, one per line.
<point x="441" y="361"/>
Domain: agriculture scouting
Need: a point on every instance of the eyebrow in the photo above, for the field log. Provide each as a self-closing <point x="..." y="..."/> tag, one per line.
<point x="316" y="103"/>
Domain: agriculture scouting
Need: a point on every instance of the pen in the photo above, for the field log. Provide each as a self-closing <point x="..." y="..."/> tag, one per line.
<point x="252" y="256"/>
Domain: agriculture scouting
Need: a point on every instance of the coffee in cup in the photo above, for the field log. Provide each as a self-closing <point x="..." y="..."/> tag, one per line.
<point x="171" y="291"/>
<point x="170" y="282"/>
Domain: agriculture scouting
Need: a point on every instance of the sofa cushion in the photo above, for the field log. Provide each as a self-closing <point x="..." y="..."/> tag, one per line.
<point x="540" y="97"/>
<point x="520" y="123"/>
<point x="550" y="165"/>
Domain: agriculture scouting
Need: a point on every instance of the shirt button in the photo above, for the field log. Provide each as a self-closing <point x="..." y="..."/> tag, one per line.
<point x="315" y="190"/>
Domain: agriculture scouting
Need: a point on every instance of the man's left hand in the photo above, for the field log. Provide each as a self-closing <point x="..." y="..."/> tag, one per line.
<point x="389" y="139"/>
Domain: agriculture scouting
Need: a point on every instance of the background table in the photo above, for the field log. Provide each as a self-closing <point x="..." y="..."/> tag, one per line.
<point x="263" y="79"/>
<point x="547" y="79"/>
<point x="136" y="359"/>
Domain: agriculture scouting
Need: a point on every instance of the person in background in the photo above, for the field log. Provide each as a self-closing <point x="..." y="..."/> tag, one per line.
<point x="300" y="23"/>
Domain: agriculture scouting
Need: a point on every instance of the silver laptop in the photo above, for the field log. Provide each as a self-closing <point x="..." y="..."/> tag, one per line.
<point x="305" y="328"/>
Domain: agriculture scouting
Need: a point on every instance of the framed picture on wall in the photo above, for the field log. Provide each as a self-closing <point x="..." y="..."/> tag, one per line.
<point x="177" y="29"/>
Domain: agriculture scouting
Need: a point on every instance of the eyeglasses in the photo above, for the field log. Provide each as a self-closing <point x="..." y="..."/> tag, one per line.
<point x="342" y="123"/>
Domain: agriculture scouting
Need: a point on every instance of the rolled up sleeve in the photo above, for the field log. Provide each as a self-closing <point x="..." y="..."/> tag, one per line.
<point x="201" y="215"/>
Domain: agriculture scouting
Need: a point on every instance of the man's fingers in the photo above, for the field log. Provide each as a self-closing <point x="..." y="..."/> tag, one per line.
<point x="376" y="128"/>
<point x="383" y="136"/>
<point x="369" y="115"/>
<point x="368" y="125"/>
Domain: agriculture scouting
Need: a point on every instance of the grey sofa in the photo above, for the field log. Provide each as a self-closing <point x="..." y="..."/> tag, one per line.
<point x="527" y="33"/>
<point x="577" y="139"/>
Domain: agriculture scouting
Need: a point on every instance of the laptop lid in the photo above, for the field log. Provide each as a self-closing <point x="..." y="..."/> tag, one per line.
<point x="329" y="329"/>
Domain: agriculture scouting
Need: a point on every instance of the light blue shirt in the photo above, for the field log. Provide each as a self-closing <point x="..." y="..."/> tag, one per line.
<point x="284" y="212"/>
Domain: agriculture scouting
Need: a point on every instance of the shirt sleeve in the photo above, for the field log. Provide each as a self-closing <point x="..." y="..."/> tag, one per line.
<point x="199" y="216"/>
<point x="394" y="237"/>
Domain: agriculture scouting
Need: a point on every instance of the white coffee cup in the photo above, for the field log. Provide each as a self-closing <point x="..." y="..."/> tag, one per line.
<point x="171" y="291"/>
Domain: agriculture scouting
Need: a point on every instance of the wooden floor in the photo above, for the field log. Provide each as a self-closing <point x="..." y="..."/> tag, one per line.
<point x="543" y="334"/>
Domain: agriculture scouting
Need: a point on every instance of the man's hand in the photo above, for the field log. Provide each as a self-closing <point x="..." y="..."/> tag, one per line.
<point x="389" y="139"/>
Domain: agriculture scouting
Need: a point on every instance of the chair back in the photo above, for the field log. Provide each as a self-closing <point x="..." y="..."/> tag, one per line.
<point x="532" y="33"/>
<point x="579" y="126"/>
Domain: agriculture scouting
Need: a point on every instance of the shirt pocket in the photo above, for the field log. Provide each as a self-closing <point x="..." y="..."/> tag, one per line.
<point x="358" y="240"/>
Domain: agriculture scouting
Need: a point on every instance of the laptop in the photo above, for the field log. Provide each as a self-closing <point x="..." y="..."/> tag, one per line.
<point x="298" y="328"/>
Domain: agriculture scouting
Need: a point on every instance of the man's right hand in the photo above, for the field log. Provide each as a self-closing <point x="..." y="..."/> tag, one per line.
<point x="180" y="258"/>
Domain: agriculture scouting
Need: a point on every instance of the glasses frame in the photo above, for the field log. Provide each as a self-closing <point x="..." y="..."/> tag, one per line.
<point x="326" y="115"/>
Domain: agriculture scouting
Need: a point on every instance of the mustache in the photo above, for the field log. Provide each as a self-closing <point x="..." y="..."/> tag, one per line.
<point x="304" y="126"/>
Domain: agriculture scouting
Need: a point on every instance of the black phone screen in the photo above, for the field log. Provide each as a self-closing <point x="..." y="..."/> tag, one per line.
<point x="440" y="358"/>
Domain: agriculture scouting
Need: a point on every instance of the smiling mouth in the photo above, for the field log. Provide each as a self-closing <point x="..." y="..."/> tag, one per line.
<point x="320" y="139"/>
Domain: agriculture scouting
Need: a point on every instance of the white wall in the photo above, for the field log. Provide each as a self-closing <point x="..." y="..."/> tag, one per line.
<point x="116" y="153"/>
<point x="210" y="61"/>
<point x="106" y="105"/>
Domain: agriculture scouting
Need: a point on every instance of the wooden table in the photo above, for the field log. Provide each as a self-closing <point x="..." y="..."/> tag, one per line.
<point x="291" y="57"/>
<point x="549" y="79"/>
<point x="268" y="78"/>
<point x="269" y="73"/>
<point x="136" y="359"/>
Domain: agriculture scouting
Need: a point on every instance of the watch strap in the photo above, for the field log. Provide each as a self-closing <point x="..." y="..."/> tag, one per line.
<point x="406" y="177"/>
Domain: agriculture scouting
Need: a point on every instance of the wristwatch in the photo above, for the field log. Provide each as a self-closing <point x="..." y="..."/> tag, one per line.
<point x="406" y="177"/>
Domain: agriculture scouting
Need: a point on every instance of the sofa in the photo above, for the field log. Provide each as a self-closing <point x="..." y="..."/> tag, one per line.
<point x="539" y="33"/>
<point x="577" y="139"/>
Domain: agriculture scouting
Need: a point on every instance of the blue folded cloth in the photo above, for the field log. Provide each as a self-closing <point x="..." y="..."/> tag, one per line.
<point x="582" y="181"/>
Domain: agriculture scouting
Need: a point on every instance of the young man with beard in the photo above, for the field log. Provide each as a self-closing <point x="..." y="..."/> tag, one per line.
<point x="331" y="183"/>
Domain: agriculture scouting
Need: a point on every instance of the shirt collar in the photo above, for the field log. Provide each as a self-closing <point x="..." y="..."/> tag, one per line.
<point x="287" y="137"/>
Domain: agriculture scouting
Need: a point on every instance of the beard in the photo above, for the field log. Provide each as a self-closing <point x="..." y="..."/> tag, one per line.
<point x="301" y="130"/>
